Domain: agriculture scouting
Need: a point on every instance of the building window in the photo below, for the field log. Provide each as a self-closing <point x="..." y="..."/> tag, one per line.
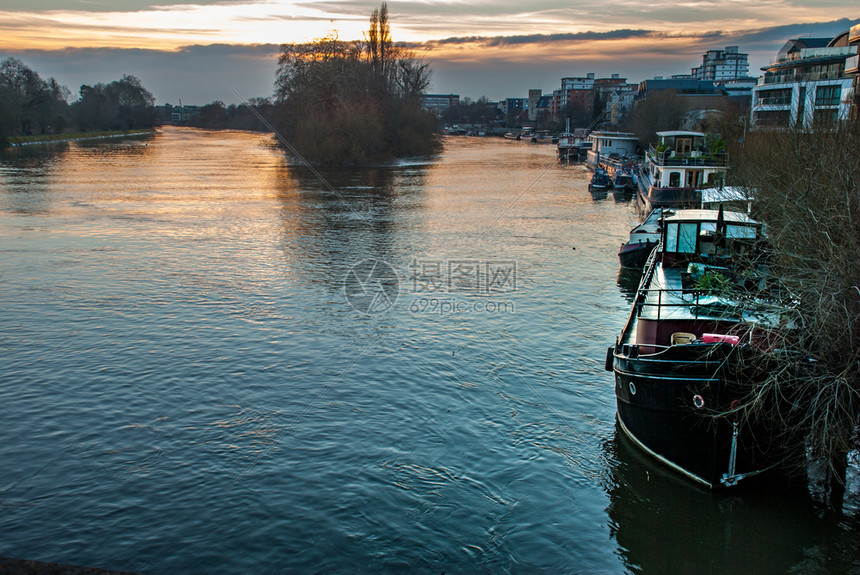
<point x="687" y="238"/>
<point x="828" y="95"/>
<point x="774" y="97"/>
<point x="825" y="117"/>
<point x="779" y="118"/>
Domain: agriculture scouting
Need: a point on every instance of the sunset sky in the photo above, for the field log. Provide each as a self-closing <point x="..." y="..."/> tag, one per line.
<point x="202" y="51"/>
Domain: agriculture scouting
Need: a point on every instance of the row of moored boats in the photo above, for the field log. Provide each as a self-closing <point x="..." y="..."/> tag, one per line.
<point x="698" y="333"/>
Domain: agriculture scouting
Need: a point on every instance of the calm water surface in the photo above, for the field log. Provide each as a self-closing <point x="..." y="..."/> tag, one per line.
<point x="193" y="381"/>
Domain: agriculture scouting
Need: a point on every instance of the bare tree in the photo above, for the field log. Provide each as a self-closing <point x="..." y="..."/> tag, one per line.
<point x="805" y="185"/>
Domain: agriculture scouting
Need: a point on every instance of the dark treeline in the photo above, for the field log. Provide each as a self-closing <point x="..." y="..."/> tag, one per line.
<point x="218" y="116"/>
<point x="340" y="101"/>
<point x="480" y="111"/>
<point x="30" y="105"/>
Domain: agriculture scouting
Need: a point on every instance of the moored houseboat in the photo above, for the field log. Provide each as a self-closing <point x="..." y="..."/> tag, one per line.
<point x="642" y="240"/>
<point x="676" y="171"/>
<point x="623" y="179"/>
<point x="600" y="182"/>
<point x="682" y="362"/>
<point x="572" y="146"/>
<point x="612" y="151"/>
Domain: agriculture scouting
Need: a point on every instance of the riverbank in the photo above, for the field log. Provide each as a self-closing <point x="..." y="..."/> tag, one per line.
<point x="34" y="139"/>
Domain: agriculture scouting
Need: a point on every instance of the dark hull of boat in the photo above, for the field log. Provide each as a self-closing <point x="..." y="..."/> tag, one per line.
<point x="674" y="405"/>
<point x="655" y="197"/>
<point x="650" y="197"/>
<point x="634" y="256"/>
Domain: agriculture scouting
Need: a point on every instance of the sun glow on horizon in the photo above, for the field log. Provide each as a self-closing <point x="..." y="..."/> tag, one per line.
<point x="171" y="27"/>
<point x="168" y="27"/>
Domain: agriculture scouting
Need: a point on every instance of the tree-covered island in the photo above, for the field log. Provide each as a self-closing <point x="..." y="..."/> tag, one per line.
<point x="354" y="101"/>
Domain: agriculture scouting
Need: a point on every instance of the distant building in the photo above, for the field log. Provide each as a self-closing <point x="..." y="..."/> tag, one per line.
<point x="510" y="106"/>
<point x="581" y="93"/>
<point x="618" y="103"/>
<point x="544" y="105"/>
<point x="177" y="114"/>
<point x="681" y="85"/>
<point x="534" y="100"/>
<point x="439" y="102"/>
<point x="696" y="99"/>
<point x="577" y="92"/>
<point x="810" y="81"/>
<point x="729" y="71"/>
<point x="721" y="65"/>
<point x="852" y="66"/>
<point x="739" y="88"/>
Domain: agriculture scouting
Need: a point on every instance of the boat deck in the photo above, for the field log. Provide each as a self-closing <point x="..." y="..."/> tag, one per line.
<point x="667" y="299"/>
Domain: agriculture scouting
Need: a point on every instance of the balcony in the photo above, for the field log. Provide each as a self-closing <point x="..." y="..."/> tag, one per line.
<point x="773" y="101"/>
<point x="792" y="77"/>
<point x="695" y="158"/>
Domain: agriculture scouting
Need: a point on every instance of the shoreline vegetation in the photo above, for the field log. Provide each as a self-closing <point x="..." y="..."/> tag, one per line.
<point x="33" y="109"/>
<point x="806" y="193"/>
<point x="37" y="139"/>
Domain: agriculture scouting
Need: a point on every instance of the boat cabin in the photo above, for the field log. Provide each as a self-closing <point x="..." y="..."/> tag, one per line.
<point x="681" y="160"/>
<point x="674" y="299"/>
<point x="612" y="150"/>
<point x="707" y="235"/>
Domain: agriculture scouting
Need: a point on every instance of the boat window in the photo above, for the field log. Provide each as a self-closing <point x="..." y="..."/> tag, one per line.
<point x="740" y="232"/>
<point x="674" y="179"/>
<point x="694" y="179"/>
<point x="707" y="235"/>
<point x="687" y="238"/>
<point x="672" y="238"/>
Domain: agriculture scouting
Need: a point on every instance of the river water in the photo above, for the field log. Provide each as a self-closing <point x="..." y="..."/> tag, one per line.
<point x="215" y="360"/>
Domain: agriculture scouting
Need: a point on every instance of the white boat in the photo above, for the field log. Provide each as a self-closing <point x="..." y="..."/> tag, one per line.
<point x="642" y="240"/>
<point x="677" y="170"/>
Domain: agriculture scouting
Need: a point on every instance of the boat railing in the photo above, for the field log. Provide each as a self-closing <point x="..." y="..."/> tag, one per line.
<point x="641" y="292"/>
<point x="670" y="157"/>
<point x="711" y="303"/>
<point x="671" y="299"/>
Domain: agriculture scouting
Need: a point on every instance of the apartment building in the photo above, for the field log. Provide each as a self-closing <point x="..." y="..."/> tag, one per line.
<point x="811" y="81"/>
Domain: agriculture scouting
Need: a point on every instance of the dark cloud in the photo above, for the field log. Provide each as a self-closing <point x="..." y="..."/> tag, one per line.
<point x="779" y="34"/>
<point x="500" y="41"/>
